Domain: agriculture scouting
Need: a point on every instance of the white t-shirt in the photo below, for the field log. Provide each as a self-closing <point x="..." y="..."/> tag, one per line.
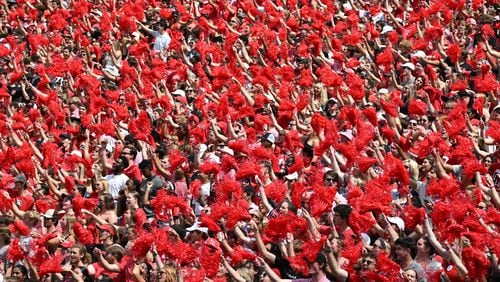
<point x="116" y="183"/>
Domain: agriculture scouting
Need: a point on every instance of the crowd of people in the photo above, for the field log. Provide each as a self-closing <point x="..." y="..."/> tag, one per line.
<point x="256" y="140"/>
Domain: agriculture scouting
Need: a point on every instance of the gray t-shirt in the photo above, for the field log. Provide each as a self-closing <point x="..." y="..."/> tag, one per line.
<point x="418" y="269"/>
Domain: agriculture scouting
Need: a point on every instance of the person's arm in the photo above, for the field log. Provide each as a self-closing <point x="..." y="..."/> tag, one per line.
<point x="339" y="273"/>
<point x="312" y="224"/>
<point x="434" y="241"/>
<point x="335" y="164"/>
<point x="261" y="246"/>
<point x="136" y="273"/>
<point x="232" y="272"/>
<point x="393" y="235"/>
<point x="217" y="133"/>
<point x="242" y="236"/>
<point x="113" y="267"/>
<point x="248" y="97"/>
<point x="98" y="219"/>
<point x="263" y="195"/>
<point x="462" y="270"/>
<point x="270" y="273"/>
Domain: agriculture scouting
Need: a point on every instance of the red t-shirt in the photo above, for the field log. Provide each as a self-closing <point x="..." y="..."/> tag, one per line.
<point x="133" y="171"/>
<point x="25" y="203"/>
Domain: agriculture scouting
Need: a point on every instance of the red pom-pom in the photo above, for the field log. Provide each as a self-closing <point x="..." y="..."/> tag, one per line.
<point x="494" y="130"/>
<point x="475" y="261"/>
<point x="52" y="265"/>
<point x="276" y="191"/>
<point x="360" y="222"/>
<point x="83" y="235"/>
<point x="454" y="52"/>
<point x="210" y="259"/>
<point x="240" y="255"/>
<point x="248" y="169"/>
<point x="15" y="253"/>
<point x="417" y="107"/>
<point x="206" y="221"/>
<point x="210" y="167"/>
<point x="413" y="216"/>
<point x="20" y="227"/>
<point x="142" y="245"/>
<point x="443" y="187"/>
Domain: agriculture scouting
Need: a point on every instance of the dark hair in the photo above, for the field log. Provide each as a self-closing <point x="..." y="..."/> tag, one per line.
<point x="409" y="243"/>
<point x="109" y="202"/>
<point x="124" y="160"/>
<point x="427" y="244"/>
<point x="23" y="270"/>
<point x="344" y="211"/>
<point x="146" y="164"/>
<point x="133" y="151"/>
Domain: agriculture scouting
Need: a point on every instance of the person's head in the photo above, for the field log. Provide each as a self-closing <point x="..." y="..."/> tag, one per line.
<point x="341" y="214"/>
<point x="20" y="272"/>
<point x="130" y="153"/>
<point x="133" y="199"/>
<point x="286" y="206"/>
<point x="380" y="245"/>
<point x="330" y="178"/>
<point x="77" y="254"/>
<point x="167" y="274"/>
<point x="32" y="218"/>
<point x="120" y="164"/>
<point x="107" y="202"/>
<point x="424" y="247"/>
<point x="146" y="167"/>
<point x="410" y="275"/>
<point x="427" y="164"/>
<point x="106" y="232"/>
<point x="317" y="266"/>
<point x="487" y="161"/>
<point x="49" y="218"/>
<point x="369" y="261"/>
<point x="114" y="253"/>
<point x="20" y="181"/>
<point x="406" y="249"/>
<point x="101" y="186"/>
<point x="495" y="115"/>
<point x="162" y="25"/>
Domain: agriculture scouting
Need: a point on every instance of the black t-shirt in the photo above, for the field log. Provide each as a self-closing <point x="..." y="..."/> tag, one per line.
<point x="286" y="271"/>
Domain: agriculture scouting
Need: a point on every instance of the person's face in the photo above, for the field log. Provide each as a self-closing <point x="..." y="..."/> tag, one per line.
<point x="377" y="247"/>
<point x="314" y="268"/>
<point x="74" y="255"/>
<point x="131" y="200"/>
<point x="146" y="172"/>
<point x="411" y="124"/>
<point x="368" y="264"/>
<point x="424" y="121"/>
<point x="329" y="181"/>
<point x="104" y="234"/>
<point x="421" y="247"/>
<point x="426" y="164"/>
<point x="487" y="162"/>
<point x="337" y="220"/>
<point x="48" y="222"/>
<point x="410" y="275"/>
<point x="118" y="165"/>
<point x="16" y="273"/>
<point x="67" y="205"/>
<point x="284" y="208"/>
<point x="401" y="253"/>
<point x="126" y="153"/>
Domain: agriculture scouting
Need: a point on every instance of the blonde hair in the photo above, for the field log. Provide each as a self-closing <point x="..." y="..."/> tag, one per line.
<point x="171" y="273"/>
<point x="245" y="274"/>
